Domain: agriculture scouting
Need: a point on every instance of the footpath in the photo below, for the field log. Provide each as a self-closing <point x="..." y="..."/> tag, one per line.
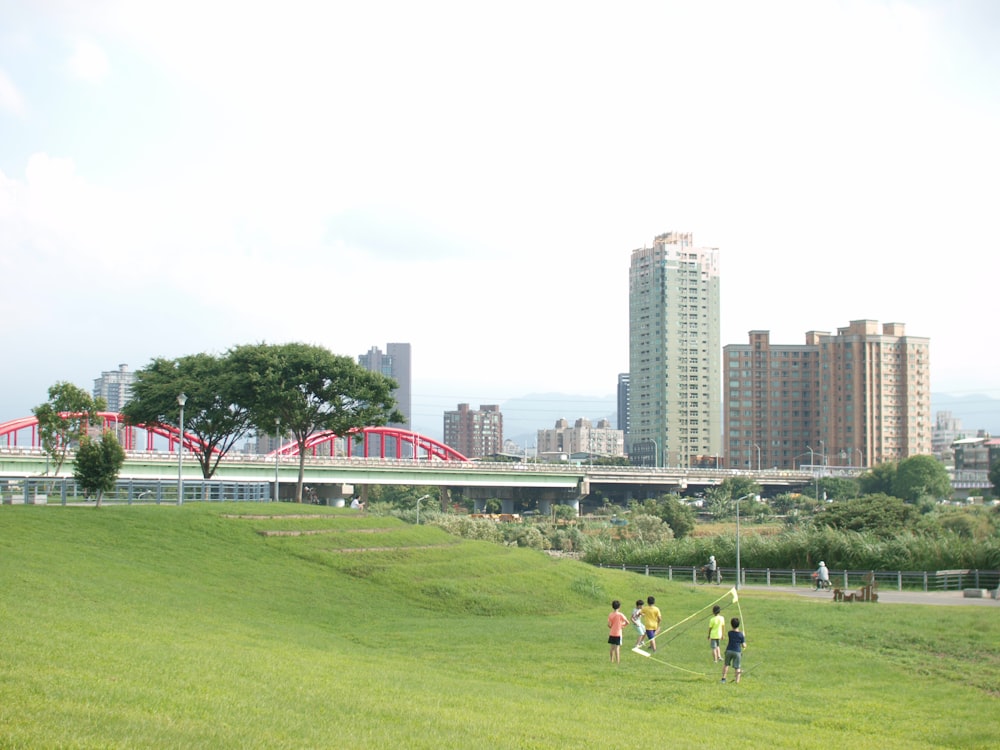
<point x="889" y="596"/>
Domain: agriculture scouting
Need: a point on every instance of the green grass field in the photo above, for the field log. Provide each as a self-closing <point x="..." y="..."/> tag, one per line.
<point x="202" y="627"/>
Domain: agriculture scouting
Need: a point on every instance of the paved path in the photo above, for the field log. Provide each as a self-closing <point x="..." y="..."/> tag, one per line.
<point x="890" y="596"/>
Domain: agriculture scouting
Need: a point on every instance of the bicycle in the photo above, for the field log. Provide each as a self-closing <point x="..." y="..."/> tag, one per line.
<point x="710" y="576"/>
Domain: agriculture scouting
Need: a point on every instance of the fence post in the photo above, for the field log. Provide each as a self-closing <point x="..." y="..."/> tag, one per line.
<point x="925" y="580"/>
<point x="647" y="570"/>
<point x="899" y="580"/>
<point x="793" y="576"/>
<point x="768" y="576"/>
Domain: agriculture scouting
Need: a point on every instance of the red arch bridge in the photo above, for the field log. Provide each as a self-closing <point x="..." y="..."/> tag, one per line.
<point x="368" y="442"/>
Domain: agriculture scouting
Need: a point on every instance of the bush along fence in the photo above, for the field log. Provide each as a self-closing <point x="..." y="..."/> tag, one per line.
<point x="900" y="580"/>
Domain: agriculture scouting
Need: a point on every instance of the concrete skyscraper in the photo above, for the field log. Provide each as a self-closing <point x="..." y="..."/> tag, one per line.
<point x="393" y="363"/>
<point x="675" y="398"/>
<point x="115" y="387"/>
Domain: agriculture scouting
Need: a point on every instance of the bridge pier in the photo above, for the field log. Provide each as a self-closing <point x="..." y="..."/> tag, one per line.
<point x="334" y="494"/>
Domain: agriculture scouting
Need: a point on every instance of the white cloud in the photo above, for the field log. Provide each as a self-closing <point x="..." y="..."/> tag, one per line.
<point x="88" y="62"/>
<point x="11" y="99"/>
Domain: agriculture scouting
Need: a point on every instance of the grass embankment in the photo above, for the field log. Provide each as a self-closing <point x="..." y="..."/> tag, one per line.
<point x="180" y="627"/>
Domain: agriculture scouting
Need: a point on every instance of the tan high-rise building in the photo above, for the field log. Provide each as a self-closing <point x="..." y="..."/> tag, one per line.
<point x="875" y="393"/>
<point x="857" y="398"/>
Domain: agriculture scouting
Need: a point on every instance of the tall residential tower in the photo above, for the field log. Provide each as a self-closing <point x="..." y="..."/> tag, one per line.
<point x="675" y="398"/>
<point x="395" y="364"/>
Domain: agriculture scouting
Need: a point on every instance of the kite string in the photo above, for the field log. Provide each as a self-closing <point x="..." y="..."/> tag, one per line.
<point x="681" y="622"/>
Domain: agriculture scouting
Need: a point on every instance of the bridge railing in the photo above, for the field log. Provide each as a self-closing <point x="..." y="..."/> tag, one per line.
<point x="65" y="490"/>
<point x="899" y="580"/>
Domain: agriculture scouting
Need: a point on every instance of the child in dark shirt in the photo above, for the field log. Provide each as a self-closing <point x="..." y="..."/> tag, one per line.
<point x="734" y="650"/>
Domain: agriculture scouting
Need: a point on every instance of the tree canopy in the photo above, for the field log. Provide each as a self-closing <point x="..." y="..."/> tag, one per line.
<point x="308" y="389"/>
<point x="215" y="411"/>
<point x="97" y="464"/>
<point x="879" y="514"/>
<point x="920" y="477"/>
<point x="64" y="418"/>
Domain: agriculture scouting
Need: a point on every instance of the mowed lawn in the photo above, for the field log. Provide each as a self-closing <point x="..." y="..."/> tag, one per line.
<point x="282" y="626"/>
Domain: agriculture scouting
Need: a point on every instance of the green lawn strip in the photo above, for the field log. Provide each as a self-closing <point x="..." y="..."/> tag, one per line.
<point x="177" y="627"/>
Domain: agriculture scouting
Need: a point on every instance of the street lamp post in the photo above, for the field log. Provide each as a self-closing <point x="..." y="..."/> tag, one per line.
<point x="277" y="452"/>
<point x="181" y="400"/>
<point x="739" y="569"/>
<point x="822" y="452"/>
<point x="861" y="458"/>
<point x="422" y="497"/>
<point x="758" y="455"/>
<point x="811" y="464"/>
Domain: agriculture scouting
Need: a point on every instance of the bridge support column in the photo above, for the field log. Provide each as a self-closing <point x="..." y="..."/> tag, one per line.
<point x="334" y="494"/>
<point x="506" y="506"/>
<point x="545" y="507"/>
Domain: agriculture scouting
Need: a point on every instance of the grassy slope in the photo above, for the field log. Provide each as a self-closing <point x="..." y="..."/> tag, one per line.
<point x="159" y="626"/>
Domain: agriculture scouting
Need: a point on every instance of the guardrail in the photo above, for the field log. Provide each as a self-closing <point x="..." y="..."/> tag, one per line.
<point x="900" y="580"/>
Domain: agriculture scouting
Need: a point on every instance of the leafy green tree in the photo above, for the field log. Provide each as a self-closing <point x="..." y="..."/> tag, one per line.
<point x="882" y="515"/>
<point x="213" y="412"/>
<point x="97" y="464"/>
<point x="308" y="389"/>
<point x="994" y="477"/>
<point x="739" y="486"/>
<point x="64" y="418"/>
<point x="921" y="477"/>
<point x="678" y="515"/>
<point x="878" y="480"/>
<point x="838" y="488"/>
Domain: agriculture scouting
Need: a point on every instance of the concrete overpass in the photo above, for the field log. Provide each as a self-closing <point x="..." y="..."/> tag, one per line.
<point x="335" y="478"/>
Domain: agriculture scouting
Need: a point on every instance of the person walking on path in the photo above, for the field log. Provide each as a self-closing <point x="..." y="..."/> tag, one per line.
<point x="637" y="621"/>
<point x="716" y="627"/>
<point x="734" y="650"/>
<point x="651" y="619"/>
<point x="617" y="622"/>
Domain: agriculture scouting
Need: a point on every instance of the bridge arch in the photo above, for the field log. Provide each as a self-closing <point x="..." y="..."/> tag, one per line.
<point x="388" y="442"/>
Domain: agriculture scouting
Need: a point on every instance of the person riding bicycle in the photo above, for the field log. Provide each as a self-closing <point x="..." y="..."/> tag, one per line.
<point x="822" y="575"/>
<point x="711" y="570"/>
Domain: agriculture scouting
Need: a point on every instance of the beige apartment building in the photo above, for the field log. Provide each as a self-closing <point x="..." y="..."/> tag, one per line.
<point x="857" y="398"/>
<point x="582" y="438"/>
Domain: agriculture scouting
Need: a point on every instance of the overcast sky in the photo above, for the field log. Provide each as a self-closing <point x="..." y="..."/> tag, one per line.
<point x="469" y="177"/>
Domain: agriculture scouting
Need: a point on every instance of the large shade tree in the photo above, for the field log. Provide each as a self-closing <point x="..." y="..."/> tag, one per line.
<point x="920" y="477"/>
<point x="307" y="389"/>
<point x="63" y="419"/>
<point x="213" y="412"/>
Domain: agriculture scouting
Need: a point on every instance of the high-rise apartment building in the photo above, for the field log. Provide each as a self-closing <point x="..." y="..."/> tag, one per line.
<point x="857" y="398"/>
<point x="623" y="403"/>
<point x="771" y="404"/>
<point x="674" y="406"/>
<point x="393" y="363"/>
<point x="583" y="437"/>
<point x="875" y="391"/>
<point x="474" y="433"/>
<point x="115" y="387"/>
